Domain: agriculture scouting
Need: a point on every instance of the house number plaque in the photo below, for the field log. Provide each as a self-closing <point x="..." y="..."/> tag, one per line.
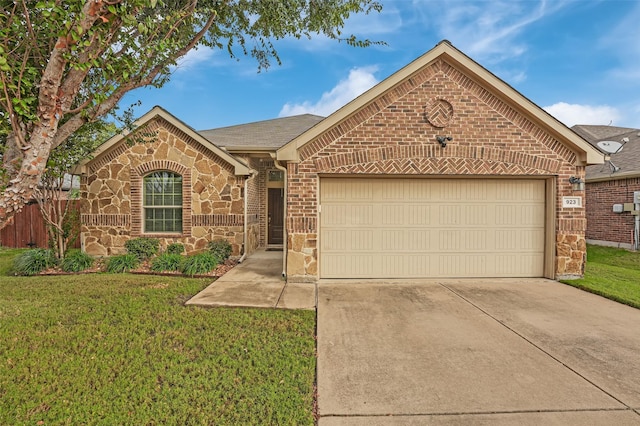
<point x="572" y="202"/>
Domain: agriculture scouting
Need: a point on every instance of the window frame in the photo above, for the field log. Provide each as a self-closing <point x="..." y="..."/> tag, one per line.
<point x="177" y="181"/>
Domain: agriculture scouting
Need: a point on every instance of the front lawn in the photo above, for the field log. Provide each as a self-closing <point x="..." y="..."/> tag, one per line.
<point x="612" y="273"/>
<point x="6" y="259"/>
<point x="123" y="349"/>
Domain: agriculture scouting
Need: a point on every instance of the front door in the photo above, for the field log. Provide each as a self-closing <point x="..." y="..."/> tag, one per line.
<point x="275" y="217"/>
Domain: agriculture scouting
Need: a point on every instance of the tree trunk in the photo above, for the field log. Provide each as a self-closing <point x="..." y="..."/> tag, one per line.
<point x="24" y="167"/>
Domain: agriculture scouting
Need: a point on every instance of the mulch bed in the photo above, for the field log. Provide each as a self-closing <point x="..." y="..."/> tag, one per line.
<point x="99" y="266"/>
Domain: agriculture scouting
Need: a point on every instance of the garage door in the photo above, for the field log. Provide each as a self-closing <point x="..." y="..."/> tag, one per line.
<point x="413" y="228"/>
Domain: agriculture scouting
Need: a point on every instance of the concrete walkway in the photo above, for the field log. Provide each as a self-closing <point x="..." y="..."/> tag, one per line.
<point x="257" y="283"/>
<point x="503" y="352"/>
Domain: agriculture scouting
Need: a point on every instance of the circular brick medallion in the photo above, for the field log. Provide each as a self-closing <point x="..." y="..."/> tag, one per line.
<point x="439" y="112"/>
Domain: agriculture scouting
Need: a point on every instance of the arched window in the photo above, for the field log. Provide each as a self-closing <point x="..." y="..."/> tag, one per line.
<point x="162" y="203"/>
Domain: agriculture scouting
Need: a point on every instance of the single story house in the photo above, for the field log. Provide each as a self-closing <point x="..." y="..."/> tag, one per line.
<point x="610" y="187"/>
<point x="441" y="170"/>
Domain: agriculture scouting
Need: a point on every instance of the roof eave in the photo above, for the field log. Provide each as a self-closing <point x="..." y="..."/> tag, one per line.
<point x="249" y="149"/>
<point x="585" y="153"/>
<point x="289" y="152"/>
<point x="617" y="176"/>
<point x="240" y="168"/>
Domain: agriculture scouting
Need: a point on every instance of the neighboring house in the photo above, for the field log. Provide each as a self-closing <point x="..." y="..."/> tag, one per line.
<point x="613" y="184"/>
<point x="441" y="170"/>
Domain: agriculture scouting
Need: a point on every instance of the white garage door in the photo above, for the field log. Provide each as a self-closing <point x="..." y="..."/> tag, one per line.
<point x="414" y="228"/>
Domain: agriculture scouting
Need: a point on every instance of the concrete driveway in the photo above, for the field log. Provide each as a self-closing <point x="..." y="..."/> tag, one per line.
<point x="523" y="351"/>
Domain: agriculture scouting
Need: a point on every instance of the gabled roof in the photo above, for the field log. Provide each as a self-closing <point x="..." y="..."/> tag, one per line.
<point x="622" y="165"/>
<point x="158" y="112"/>
<point x="586" y="154"/>
<point x="267" y="135"/>
<point x="595" y="133"/>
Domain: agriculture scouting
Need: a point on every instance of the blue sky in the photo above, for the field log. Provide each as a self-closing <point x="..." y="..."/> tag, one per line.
<point x="578" y="59"/>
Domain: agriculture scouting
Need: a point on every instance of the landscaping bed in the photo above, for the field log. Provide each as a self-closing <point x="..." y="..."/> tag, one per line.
<point x="143" y="256"/>
<point x="145" y="269"/>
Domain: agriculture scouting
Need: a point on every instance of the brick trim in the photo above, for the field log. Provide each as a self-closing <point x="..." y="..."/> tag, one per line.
<point x="105" y="159"/>
<point x="438" y="166"/>
<point x="153" y="127"/>
<point x="572" y="225"/>
<point x="218" y="220"/>
<point x="122" y="220"/>
<point x="439" y="67"/>
<point x="301" y="225"/>
<point x="382" y="158"/>
<point x="508" y="112"/>
<point x="195" y="145"/>
<point x="137" y="176"/>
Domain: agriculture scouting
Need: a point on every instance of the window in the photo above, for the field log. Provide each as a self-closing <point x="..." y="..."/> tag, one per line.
<point x="276" y="176"/>
<point x="162" y="202"/>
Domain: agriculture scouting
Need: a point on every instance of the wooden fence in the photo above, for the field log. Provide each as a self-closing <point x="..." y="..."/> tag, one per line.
<point x="27" y="230"/>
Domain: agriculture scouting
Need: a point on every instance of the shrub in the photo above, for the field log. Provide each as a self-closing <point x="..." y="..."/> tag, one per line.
<point x="200" y="263"/>
<point x="175" y="248"/>
<point x="122" y="263"/>
<point x="76" y="261"/>
<point x="34" y="261"/>
<point x="142" y="248"/>
<point x="221" y="249"/>
<point x="167" y="262"/>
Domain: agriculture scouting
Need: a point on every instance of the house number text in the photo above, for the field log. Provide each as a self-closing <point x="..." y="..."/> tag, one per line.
<point x="572" y="202"/>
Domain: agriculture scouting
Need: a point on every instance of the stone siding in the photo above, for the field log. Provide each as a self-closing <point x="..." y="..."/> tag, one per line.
<point x="112" y="211"/>
<point x="396" y="133"/>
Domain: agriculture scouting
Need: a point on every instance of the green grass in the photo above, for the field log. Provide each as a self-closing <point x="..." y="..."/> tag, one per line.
<point x="612" y="273"/>
<point x="6" y="259"/>
<point x="123" y="349"/>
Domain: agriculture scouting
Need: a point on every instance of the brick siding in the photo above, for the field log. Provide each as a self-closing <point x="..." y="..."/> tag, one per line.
<point x="393" y="136"/>
<point x="602" y="223"/>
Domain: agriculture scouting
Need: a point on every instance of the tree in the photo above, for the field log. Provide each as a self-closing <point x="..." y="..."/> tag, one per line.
<point x="65" y="63"/>
<point x="55" y="195"/>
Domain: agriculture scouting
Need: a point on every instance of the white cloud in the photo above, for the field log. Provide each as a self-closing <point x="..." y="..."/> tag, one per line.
<point x="572" y="114"/>
<point x="195" y="57"/>
<point x="373" y="26"/>
<point x="359" y="81"/>
<point x="486" y="30"/>
<point x="512" y="77"/>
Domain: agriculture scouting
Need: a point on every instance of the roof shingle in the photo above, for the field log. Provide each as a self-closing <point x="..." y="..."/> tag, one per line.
<point x="627" y="159"/>
<point x="267" y="135"/>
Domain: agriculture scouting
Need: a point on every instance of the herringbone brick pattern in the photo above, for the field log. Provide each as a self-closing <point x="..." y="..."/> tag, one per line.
<point x="433" y="166"/>
<point x="439" y="113"/>
<point x="341" y="163"/>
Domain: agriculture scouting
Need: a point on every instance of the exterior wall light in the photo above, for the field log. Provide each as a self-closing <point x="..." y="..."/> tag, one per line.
<point x="577" y="184"/>
<point x="442" y="140"/>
